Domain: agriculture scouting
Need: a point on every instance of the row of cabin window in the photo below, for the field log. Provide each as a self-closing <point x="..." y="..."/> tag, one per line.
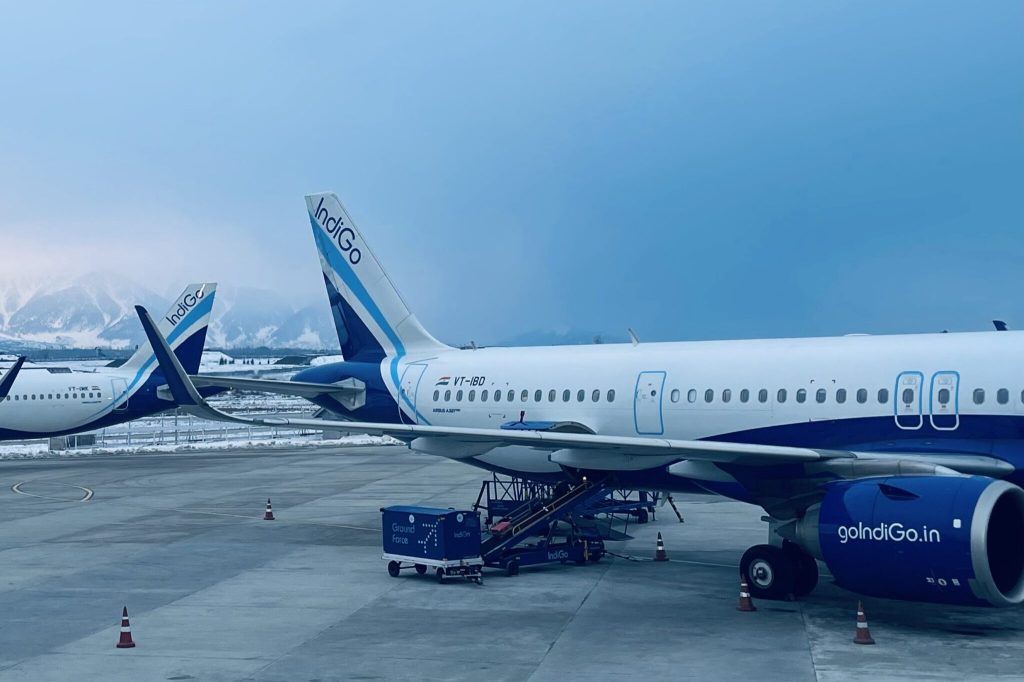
<point x="821" y="395"/>
<point x="49" y="396"/>
<point x="524" y="395"/>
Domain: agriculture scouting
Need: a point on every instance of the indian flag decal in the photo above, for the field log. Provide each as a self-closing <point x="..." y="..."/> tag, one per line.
<point x="443" y="381"/>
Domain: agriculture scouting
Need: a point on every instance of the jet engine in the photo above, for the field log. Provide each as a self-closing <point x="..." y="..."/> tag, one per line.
<point x="943" y="539"/>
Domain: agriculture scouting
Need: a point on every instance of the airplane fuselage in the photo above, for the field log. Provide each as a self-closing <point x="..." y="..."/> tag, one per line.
<point x="935" y="394"/>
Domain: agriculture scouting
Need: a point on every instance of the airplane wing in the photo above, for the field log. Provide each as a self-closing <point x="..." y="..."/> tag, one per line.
<point x="567" y="446"/>
<point x="350" y="388"/>
<point x="584" y="450"/>
<point x="8" y="381"/>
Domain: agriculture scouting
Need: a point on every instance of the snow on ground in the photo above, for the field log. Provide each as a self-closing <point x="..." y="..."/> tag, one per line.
<point x="40" y="449"/>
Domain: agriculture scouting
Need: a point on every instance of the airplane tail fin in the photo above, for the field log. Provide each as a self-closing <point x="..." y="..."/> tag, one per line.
<point x="184" y="326"/>
<point x="373" y="321"/>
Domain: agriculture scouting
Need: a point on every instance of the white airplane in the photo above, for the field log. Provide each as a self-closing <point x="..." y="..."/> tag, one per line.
<point x="53" y="401"/>
<point x="896" y="460"/>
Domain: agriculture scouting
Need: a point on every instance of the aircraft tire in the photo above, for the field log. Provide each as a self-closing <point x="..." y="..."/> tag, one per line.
<point x="770" y="572"/>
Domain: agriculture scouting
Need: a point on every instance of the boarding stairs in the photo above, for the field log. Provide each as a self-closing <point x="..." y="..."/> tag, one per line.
<point x="536" y="515"/>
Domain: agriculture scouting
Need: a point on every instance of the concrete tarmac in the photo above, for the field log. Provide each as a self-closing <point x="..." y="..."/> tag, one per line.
<point x="216" y="593"/>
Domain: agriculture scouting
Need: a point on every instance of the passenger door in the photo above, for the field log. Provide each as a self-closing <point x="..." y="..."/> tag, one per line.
<point x="647" y="399"/>
<point x="408" y="388"/>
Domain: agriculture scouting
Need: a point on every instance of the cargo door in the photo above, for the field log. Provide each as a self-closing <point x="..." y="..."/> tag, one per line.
<point x="907" y="401"/>
<point x="647" y="398"/>
<point x="944" y="403"/>
<point x="407" y="390"/>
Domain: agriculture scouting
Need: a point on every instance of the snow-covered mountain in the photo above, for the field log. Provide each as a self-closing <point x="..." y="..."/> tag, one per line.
<point x="98" y="310"/>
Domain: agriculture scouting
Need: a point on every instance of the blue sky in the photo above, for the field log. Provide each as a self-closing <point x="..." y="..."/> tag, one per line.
<point x="691" y="170"/>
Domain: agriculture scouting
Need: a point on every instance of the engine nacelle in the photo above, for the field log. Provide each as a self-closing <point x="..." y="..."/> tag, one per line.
<point x="943" y="539"/>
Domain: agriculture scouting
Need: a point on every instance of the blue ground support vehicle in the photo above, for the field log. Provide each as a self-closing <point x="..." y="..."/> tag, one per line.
<point x="445" y="540"/>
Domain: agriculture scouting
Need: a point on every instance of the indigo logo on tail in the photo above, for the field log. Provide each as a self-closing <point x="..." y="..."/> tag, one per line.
<point x="188" y="301"/>
<point x="335" y="227"/>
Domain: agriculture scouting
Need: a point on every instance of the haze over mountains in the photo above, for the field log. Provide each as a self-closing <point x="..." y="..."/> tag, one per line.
<point x="98" y="310"/>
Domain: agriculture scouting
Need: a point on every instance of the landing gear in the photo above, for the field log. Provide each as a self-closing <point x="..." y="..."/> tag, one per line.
<point x="806" y="569"/>
<point x="779" y="573"/>
<point x="770" y="572"/>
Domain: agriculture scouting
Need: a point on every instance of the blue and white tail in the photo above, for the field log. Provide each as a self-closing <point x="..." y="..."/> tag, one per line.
<point x="184" y="326"/>
<point x="373" y="321"/>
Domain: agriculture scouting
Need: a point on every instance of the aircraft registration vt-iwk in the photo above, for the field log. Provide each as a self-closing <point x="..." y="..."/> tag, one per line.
<point x="896" y="460"/>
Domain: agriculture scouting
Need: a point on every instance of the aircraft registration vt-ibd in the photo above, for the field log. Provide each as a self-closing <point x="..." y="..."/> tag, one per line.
<point x="896" y="460"/>
<point x="53" y="401"/>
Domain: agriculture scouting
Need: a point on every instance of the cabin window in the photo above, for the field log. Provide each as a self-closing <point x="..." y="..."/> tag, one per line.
<point x="781" y="396"/>
<point x="437" y="394"/>
<point x="820" y="395"/>
<point x="538" y="395"/>
<point x="709" y="395"/>
<point x="691" y="395"/>
<point x="611" y="395"/>
<point x="566" y="394"/>
<point x="75" y="396"/>
<point x="551" y="396"/>
<point x="49" y="396"/>
<point x="447" y="395"/>
<point x="762" y="395"/>
<point x="458" y="396"/>
<point x="726" y="395"/>
<point x="596" y="395"/>
<point x="497" y="396"/>
<point x="472" y="395"/>
<point x="484" y="393"/>
<point x="674" y="395"/>
<point x="943" y="396"/>
<point x="801" y="395"/>
<point x="15" y="397"/>
<point x="840" y="395"/>
<point x="511" y="395"/>
<point x="979" y="396"/>
<point x="581" y="395"/>
<point x="908" y="396"/>
<point x="862" y="395"/>
<point x="1002" y="396"/>
<point x="524" y="396"/>
<point x="744" y="395"/>
<point x="883" y="395"/>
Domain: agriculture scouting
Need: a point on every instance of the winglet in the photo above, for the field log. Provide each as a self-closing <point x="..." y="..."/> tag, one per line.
<point x="8" y="381"/>
<point x="182" y="388"/>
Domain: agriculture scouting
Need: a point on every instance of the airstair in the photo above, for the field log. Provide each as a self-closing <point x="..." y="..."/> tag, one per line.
<point x="538" y="518"/>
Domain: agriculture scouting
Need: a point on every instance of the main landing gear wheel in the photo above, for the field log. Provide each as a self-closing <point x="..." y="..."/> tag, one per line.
<point x="805" y="569"/>
<point x="393" y="568"/>
<point x="770" y="572"/>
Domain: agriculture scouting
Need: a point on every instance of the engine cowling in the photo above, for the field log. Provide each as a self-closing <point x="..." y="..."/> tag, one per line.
<point x="943" y="539"/>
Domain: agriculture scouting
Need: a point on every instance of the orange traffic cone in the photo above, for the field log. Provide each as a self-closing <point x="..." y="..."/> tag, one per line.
<point x="126" y="632"/>
<point x="863" y="634"/>
<point x="659" y="553"/>
<point x="269" y="514"/>
<point x="745" y="602"/>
